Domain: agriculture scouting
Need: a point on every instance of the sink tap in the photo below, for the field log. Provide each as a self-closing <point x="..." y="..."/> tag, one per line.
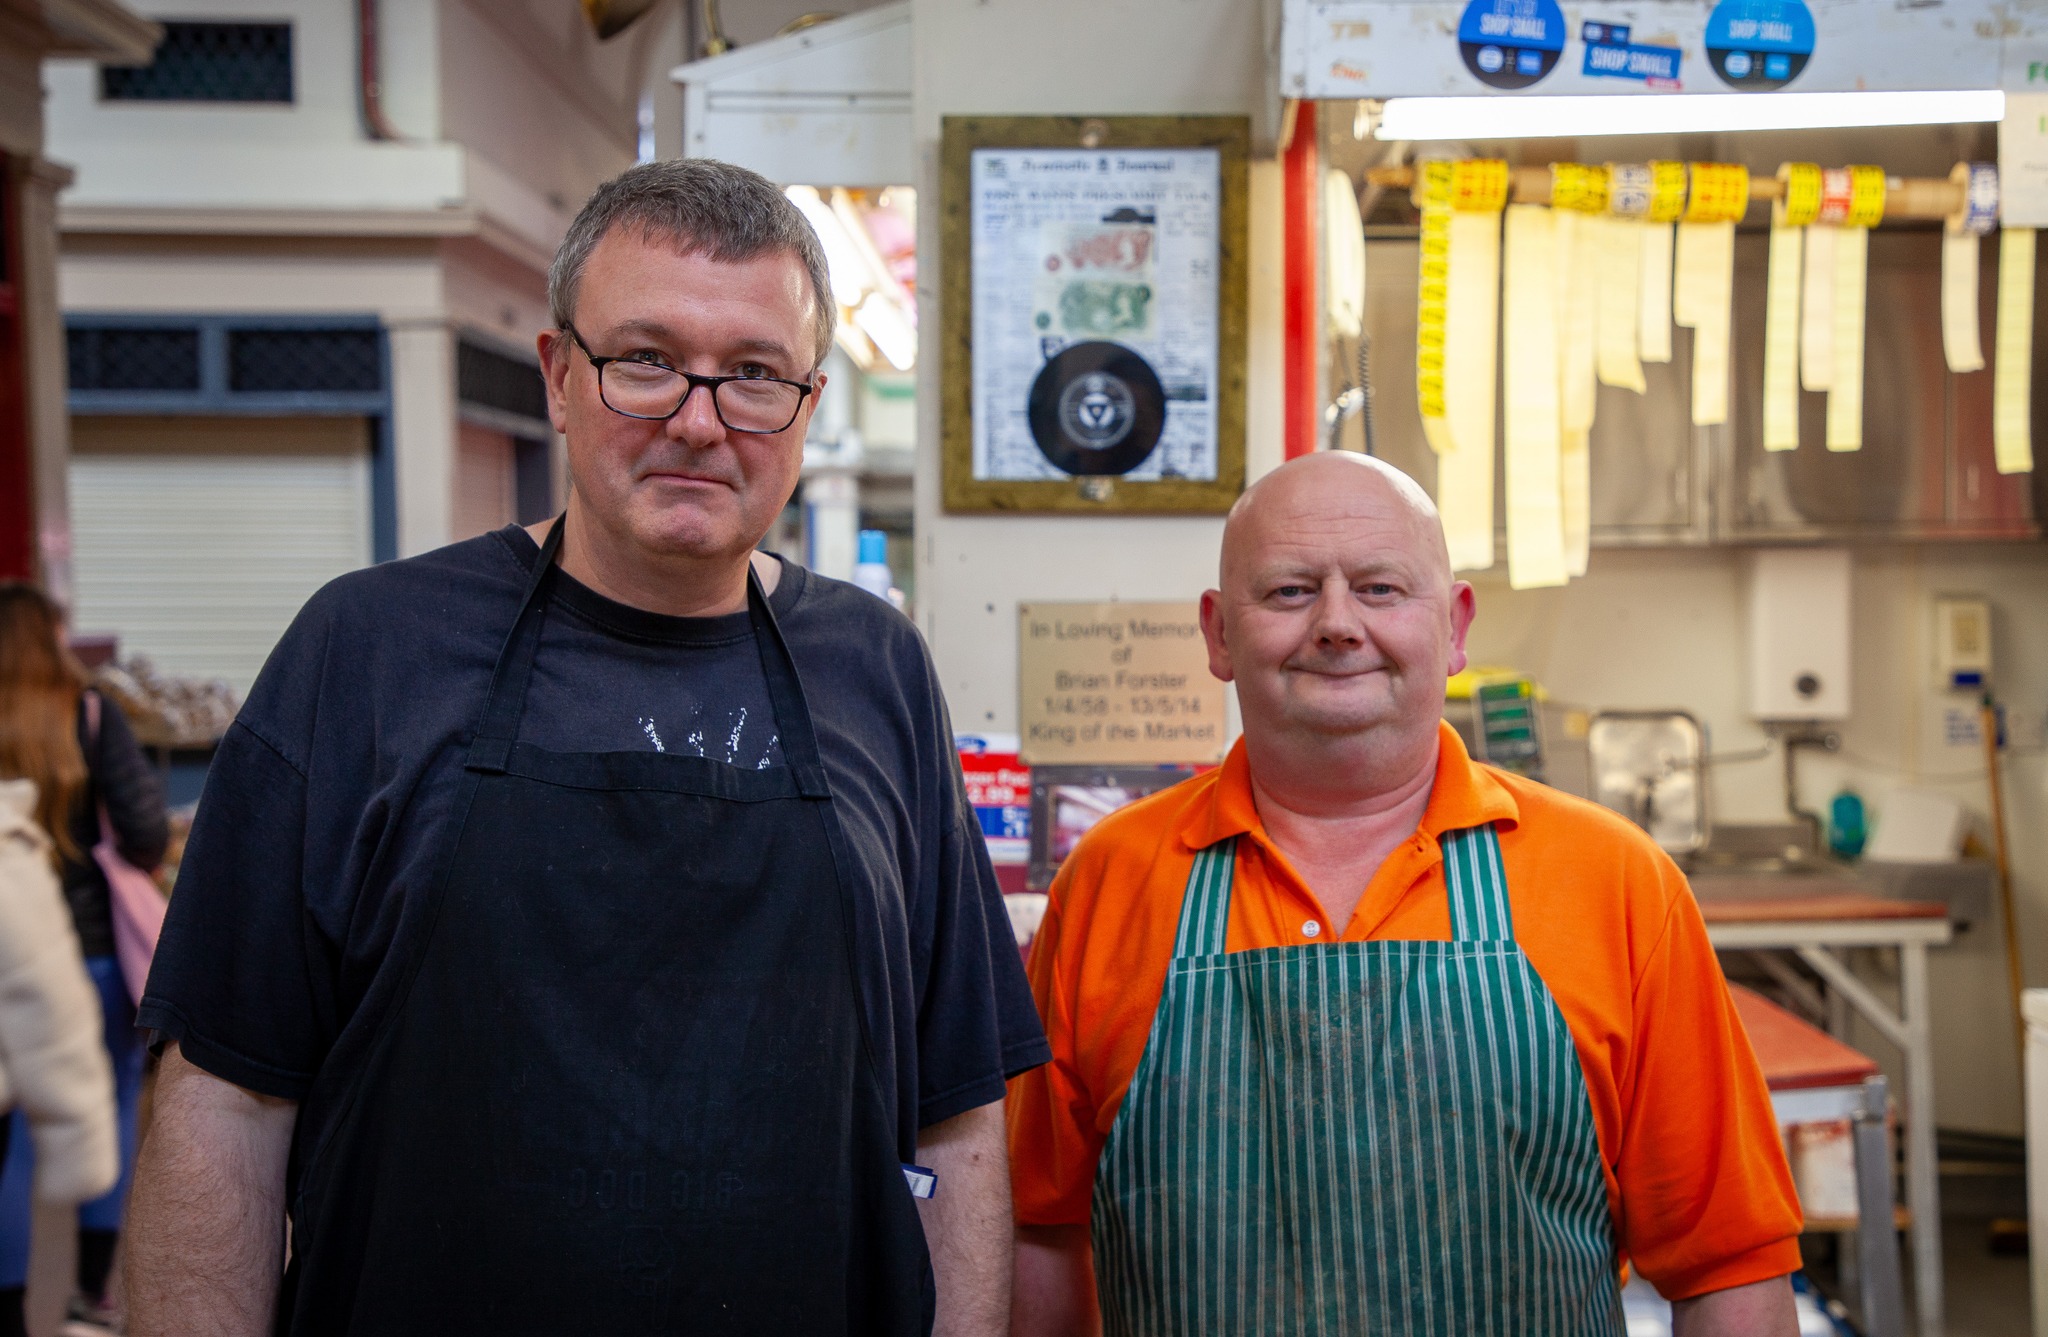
<point x="1792" y="740"/>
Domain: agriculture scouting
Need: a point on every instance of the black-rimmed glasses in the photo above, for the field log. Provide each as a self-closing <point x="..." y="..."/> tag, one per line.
<point x="655" y="392"/>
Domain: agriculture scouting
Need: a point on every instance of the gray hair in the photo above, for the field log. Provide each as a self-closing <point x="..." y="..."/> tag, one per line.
<point x="725" y="212"/>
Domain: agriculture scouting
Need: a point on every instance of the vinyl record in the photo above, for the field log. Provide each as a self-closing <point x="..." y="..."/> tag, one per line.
<point x="1097" y="408"/>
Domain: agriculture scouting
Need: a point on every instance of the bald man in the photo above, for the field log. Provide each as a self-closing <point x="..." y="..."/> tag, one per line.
<point x="1355" y="1035"/>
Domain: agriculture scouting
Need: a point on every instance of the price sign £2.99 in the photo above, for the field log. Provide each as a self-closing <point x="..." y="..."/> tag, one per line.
<point x="1116" y="683"/>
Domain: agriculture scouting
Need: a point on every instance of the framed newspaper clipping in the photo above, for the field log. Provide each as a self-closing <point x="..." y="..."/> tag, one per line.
<point x="1093" y="273"/>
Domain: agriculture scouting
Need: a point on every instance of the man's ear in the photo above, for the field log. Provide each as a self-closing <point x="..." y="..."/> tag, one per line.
<point x="557" y="355"/>
<point x="1212" y="636"/>
<point x="1464" y="607"/>
<point x="812" y="400"/>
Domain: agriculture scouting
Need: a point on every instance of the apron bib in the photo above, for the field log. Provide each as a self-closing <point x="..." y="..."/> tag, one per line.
<point x="1373" y="1137"/>
<point x="626" y="1088"/>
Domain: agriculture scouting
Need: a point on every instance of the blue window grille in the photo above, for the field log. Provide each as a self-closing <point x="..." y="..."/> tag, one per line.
<point x="134" y="358"/>
<point x="301" y="361"/>
<point x="489" y="378"/>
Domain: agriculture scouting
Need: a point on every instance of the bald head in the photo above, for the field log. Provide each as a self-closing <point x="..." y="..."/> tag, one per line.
<point x="1338" y="620"/>
<point x="1334" y="491"/>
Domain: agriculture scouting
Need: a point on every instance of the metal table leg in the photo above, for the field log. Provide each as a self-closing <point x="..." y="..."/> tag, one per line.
<point x="1923" y="1169"/>
<point x="1882" y="1301"/>
<point x="1908" y="1028"/>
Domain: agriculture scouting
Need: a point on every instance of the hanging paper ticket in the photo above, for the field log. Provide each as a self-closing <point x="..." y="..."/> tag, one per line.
<point x="1577" y="309"/>
<point x="1817" y="309"/>
<point x="1535" y="520"/>
<point x="1703" y="285"/>
<point x="1653" y="289"/>
<point x="1575" y="499"/>
<point x="1620" y="247"/>
<point x="1791" y="212"/>
<point x="2012" y="427"/>
<point x="1629" y="190"/>
<point x="1464" y="474"/>
<point x="1856" y="196"/>
<point x="1961" y="240"/>
<point x="1479" y="191"/>
<point x="1433" y="194"/>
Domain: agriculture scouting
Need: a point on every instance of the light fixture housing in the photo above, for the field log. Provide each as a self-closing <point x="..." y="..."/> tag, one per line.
<point x="1567" y="116"/>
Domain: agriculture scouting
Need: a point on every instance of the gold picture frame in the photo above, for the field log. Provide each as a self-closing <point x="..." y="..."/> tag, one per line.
<point x="961" y="491"/>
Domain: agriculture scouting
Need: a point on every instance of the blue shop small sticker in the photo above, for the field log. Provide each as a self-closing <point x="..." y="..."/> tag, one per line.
<point x="1511" y="44"/>
<point x="1610" y="55"/>
<point x="1758" y="45"/>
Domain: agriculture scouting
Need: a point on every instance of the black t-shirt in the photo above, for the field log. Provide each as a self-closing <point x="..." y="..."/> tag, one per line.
<point x="330" y="802"/>
<point x="611" y="678"/>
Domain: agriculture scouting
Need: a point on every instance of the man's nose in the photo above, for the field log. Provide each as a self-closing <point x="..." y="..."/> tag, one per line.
<point x="1337" y="619"/>
<point x="696" y="422"/>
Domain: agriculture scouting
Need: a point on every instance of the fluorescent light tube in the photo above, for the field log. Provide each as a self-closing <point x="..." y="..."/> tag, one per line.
<point x="888" y="329"/>
<point x="1535" y="117"/>
<point x="851" y="276"/>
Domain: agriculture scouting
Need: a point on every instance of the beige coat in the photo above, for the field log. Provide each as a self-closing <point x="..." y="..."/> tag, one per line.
<point x="53" y="1063"/>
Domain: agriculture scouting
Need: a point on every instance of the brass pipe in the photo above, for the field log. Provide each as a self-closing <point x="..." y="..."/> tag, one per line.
<point x="715" y="42"/>
<point x="2015" y="975"/>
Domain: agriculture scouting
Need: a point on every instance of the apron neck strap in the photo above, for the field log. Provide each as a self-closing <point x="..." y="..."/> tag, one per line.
<point x="507" y="701"/>
<point x="1477" y="884"/>
<point x="786" y="694"/>
<point x="1205" y="906"/>
<point x="1474" y="878"/>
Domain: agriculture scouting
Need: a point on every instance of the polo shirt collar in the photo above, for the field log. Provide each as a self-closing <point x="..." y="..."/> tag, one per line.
<point x="1465" y="794"/>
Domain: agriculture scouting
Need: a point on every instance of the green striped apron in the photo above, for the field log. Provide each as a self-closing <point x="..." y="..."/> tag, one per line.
<point x="1360" y="1137"/>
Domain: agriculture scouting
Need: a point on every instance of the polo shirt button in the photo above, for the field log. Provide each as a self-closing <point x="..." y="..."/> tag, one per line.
<point x="1311" y="929"/>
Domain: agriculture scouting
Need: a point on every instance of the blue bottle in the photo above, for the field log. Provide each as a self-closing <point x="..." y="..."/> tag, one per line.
<point x="872" y="572"/>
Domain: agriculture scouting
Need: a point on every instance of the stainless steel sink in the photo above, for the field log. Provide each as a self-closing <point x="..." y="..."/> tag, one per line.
<point x="1769" y="849"/>
<point x="1777" y="859"/>
<point x="1710" y="863"/>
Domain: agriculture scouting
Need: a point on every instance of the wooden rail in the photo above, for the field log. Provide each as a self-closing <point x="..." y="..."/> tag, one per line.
<point x="1930" y="198"/>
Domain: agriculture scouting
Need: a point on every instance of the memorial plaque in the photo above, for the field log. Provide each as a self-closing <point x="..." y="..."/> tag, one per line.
<point x="1124" y="683"/>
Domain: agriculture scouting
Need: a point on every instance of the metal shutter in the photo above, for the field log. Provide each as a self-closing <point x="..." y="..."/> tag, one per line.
<point x="196" y="540"/>
<point x="484" y="481"/>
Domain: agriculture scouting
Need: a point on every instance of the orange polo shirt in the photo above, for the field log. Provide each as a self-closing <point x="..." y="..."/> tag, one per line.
<point x="1696" y="1176"/>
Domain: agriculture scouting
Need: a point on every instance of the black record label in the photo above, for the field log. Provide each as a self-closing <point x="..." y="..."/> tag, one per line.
<point x="1097" y="408"/>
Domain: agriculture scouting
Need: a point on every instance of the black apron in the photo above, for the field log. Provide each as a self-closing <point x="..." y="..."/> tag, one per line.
<point x="627" y="1088"/>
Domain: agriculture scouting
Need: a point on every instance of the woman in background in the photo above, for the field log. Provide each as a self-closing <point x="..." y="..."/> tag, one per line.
<point x="47" y="735"/>
<point x="55" y="1069"/>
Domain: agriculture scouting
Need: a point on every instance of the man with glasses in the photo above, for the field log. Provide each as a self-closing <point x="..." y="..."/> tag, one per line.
<point x="584" y="929"/>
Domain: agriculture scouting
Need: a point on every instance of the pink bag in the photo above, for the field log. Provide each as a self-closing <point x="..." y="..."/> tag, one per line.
<point x="138" y="906"/>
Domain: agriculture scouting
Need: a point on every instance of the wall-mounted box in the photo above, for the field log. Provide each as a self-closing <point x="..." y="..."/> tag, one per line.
<point x="1799" y="634"/>
<point x="1962" y="644"/>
